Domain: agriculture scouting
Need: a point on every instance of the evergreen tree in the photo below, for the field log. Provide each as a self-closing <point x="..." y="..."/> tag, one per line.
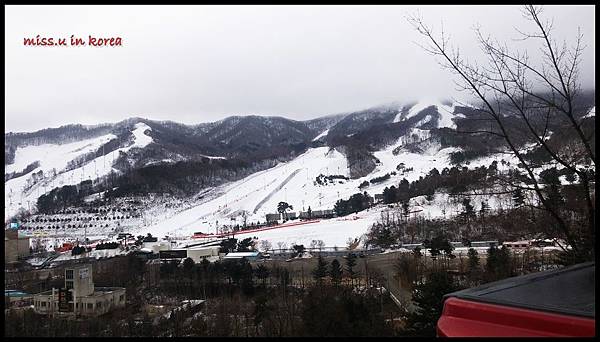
<point x="335" y="272"/>
<point x="389" y="195"/>
<point x="299" y="249"/>
<point x="405" y="210"/>
<point x="473" y="259"/>
<point x="493" y="168"/>
<point x="403" y="191"/>
<point x="320" y="272"/>
<point x="504" y="263"/>
<point x="380" y="236"/>
<point x="363" y="184"/>
<point x="228" y="246"/>
<point x="262" y="273"/>
<point x="518" y="198"/>
<point x="491" y="262"/>
<point x="467" y="214"/>
<point x="498" y="265"/>
<point x="428" y="297"/>
<point x="474" y="271"/>
<point x="429" y="194"/>
<point x="188" y="265"/>
<point x="485" y="207"/>
<point x="341" y="208"/>
<point x="282" y="207"/>
<point x="350" y="264"/>
<point x="468" y="209"/>
<point x="245" y="245"/>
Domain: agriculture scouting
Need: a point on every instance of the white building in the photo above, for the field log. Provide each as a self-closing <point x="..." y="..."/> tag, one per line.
<point x="197" y="254"/>
<point x="250" y="256"/>
<point x="86" y="300"/>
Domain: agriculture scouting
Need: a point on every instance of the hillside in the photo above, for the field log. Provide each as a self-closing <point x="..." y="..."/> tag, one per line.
<point x="206" y="177"/>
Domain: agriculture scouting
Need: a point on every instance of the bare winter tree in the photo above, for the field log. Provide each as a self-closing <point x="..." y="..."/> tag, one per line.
<point x="544" y="97"/>
<point x="265" y="245"/>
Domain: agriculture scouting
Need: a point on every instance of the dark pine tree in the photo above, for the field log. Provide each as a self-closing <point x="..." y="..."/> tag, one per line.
<point x="320" y="272"/>
<point x="518" y="198"/>
<point x="350" y="264"/>
<point x="429" y="298"/>
<point x="335" y="272"/>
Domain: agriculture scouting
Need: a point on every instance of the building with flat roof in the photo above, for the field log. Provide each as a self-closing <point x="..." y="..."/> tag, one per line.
<point x="79" y="297"/>
<point x="211" y="253"/>
<point x="250" y="256"/>
<point x="272" y="218"/>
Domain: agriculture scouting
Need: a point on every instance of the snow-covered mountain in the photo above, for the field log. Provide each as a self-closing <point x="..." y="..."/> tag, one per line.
<point x="240" y="167"/>
<point x="36" y="163"/>
<point x="295" y="182"/>
<point x="56" y="166"/>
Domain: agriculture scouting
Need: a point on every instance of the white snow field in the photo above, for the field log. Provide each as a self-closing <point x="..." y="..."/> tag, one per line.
<point x="322" y="134"/>
<point x="333" y="232"/>
<point x="445" y="111"/>
<point x="294" y="182"/>
<point x="259" y="193"/>
<point x="53" y="160"/>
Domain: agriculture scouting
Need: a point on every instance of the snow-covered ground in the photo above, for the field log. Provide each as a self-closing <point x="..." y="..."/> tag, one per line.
<point x="323" y="134"/>
<point x="97" y="254"/>
<point x="259" y="194"/>
<point x="446" y="112"/>
<point x="53" y="160"/>
<point x="294" y="182"/>
<point x="255" y="196"/>
<point x="333" y="232"/>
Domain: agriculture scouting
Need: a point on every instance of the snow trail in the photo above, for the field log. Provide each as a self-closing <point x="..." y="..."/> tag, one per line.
<point x="279" y="187"/>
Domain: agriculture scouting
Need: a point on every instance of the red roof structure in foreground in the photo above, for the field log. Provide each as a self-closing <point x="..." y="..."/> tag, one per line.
<point x="551" y="303"/>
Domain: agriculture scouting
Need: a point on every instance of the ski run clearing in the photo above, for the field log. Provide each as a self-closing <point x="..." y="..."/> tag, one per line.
<point x="446" y="113"/>
<point x="294" y="182"/>
<point x="53" y="159"/>
<point x="255" y="196"/>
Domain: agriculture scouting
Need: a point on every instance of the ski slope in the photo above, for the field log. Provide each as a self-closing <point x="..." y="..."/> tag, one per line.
<point x="321" y="135"/>
<point x="292" y="182"/>
<point x="53" y="159"/>
<point x="446" y="112"/>
<point x="259" y="194"/>
<point x="333" y="232"/>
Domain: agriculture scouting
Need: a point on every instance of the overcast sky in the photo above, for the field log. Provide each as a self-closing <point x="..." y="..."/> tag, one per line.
<point x="194" y="64"/>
